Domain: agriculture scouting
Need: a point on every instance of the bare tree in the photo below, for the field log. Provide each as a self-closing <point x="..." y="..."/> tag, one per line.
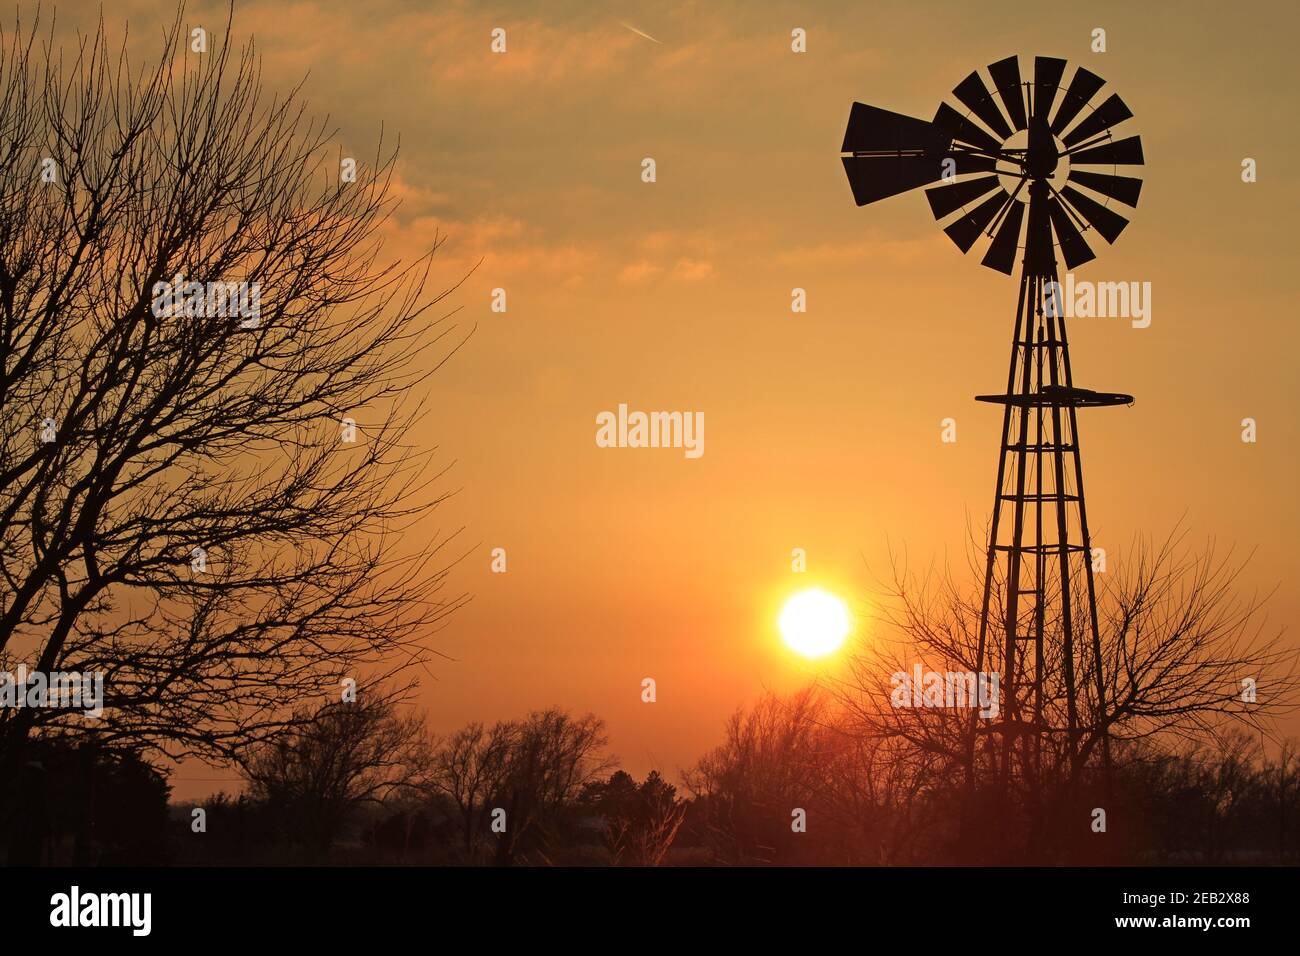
<point x="346" y="754"/>
<point x="554" y="756"/>
<point x="196" y="322"/>
<point x="1179" y="645"/>
<point x="470" y="768"/>
<point x="520" y="775"/>
<point x="787" y="762"/>
<point x="750" y="784"/>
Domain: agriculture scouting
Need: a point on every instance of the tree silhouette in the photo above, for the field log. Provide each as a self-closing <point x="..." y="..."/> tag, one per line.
<point x="470" y="768"/>
<point x="82" y="803"/>
<point x="640" y="820"/>
<point x="1178" y="643"/>
<point x="194" y="315"/>
<point x="317" y="773"/>
<point x="527" y="772"/>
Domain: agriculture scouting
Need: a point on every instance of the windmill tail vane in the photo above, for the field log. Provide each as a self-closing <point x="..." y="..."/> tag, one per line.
<point x="1028" y="169"/>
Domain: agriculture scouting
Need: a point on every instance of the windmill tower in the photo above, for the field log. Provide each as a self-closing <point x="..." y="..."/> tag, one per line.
<point x="1027" y="171"/>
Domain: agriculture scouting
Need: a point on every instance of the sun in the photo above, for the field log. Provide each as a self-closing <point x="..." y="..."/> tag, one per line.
<point x="814" y="623"/>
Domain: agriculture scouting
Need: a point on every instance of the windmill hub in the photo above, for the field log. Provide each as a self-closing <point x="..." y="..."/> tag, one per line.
<point x="1045" y="160"/>
<point x="1042" y="155"/>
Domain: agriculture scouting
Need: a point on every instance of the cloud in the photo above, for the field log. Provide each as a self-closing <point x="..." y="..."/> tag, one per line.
<point x="505" y="247"/>
<point x="661" y="253"/>
<point x="693" y="270"/>
<point x="415" y="200"/>
<point x="640" y="271"/>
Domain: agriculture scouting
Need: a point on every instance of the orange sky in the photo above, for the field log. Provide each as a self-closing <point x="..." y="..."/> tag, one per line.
<point x="823" y="429"/>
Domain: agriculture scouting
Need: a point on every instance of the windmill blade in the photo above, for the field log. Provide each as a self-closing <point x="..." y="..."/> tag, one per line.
<point x="1106" y="221"/>
<point x="1047" y="77"/>
<point x="962" y="129"/>
<point x="1124" y="188"/>
<point x="871" y="128"/>
<point x="975" y="96"/>
<point x="873" y="178"/>
<point x="1123" y="152"/>
<point x="1073" y="246"/>
<point x="1083" y="87"/>
<point x="967" y="229"/>
<point x="945" y="200"/>
<point x="1111" y="113"/>
<point x="1001" y="255"/>
<point x="913" y="153"/>
<point x="1006" y="77"/>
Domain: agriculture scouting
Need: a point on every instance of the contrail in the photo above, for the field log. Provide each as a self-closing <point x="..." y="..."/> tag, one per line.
<point x="641" y="33"/>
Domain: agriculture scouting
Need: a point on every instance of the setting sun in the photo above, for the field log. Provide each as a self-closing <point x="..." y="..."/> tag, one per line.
<point x="814" y="623"/>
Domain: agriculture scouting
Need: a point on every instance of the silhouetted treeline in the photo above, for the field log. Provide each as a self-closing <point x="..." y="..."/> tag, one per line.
<point x="791" y="783"/>
<point x="878" y="800"/>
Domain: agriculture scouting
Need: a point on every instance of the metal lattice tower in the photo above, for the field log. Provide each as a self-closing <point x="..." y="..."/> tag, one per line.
<point x="1028" y="173"/>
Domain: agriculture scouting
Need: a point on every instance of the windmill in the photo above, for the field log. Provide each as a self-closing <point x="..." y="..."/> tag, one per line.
<point x="1027" y="172"/>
